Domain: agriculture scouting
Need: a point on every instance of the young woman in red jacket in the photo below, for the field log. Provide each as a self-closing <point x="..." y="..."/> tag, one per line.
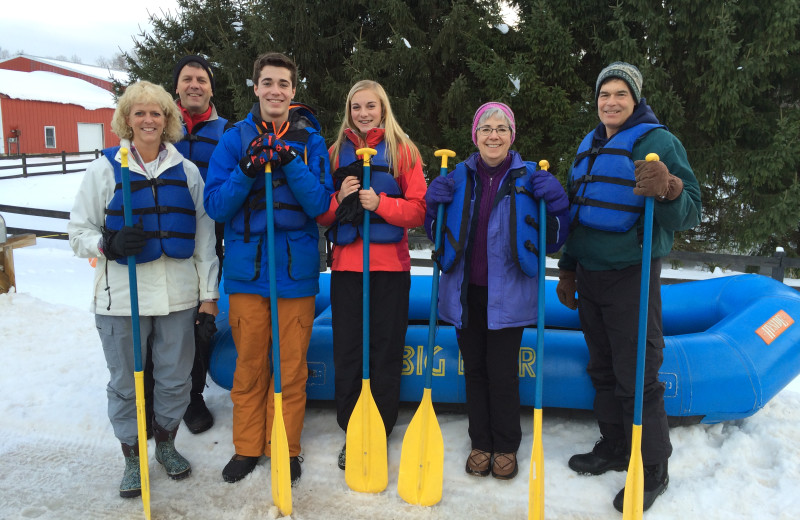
<point x="396" y="202"/>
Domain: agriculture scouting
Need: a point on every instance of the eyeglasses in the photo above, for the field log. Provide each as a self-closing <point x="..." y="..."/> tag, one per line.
<point x="502" y="131"/>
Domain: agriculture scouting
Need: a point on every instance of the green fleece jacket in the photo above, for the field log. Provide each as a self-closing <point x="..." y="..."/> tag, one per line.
<point x="599" y="250"/>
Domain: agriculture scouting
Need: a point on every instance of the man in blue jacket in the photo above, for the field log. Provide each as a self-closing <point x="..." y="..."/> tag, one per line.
<point x="287" y="136"/>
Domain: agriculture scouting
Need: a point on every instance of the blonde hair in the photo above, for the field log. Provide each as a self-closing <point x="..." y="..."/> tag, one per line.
<point x="146" y="92"/>
<point x="394" y="136"/>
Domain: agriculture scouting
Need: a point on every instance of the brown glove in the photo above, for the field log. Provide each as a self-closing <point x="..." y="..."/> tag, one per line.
<point x="652" y="179"/>
<point x="566" y="289"/>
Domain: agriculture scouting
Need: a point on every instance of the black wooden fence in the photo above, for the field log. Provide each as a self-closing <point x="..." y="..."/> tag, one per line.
<point x="65" y="163"/>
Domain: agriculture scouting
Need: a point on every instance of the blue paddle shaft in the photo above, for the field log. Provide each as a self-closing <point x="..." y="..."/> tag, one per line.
<point x="537" y="402"/>
<point x="365" y="282"/>
<point x="273" y="285"/>
<point x="434" y="294"/>
<point x="128" y="216"/>
<point x="644" y="299"/>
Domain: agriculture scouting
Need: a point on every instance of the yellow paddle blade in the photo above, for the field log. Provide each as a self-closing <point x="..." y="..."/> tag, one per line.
<point x="536" y="478"/>
<point x="632" y="506"/>
<point x="422" y="458"/>
<point x="281" y="474"/>
<point x="144" y="469"/>
<point x="367" y="468"/>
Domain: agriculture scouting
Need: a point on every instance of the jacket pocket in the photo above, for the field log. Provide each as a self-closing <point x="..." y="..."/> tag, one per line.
<point x="303" y="255"/>
<point x="242" y="260"/>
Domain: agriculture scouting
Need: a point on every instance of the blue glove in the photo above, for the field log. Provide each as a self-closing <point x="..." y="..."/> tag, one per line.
<point x="440" y="191"/>
<point x="544" y="185"/>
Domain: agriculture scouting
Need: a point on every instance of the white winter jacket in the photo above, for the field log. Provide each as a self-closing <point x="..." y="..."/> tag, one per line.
<point x="165" y="285"/>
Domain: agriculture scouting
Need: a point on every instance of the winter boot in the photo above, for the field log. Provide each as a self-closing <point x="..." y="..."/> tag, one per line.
<point x="342" y="457"/>
<point x="607" y="455"/>
<point x="176" y="466"/>
<point x="197" y="417"/>
<point x="656" y="480"/>
<point x="238" y="467"/>
<point x="478" y="463"/>
<point x="295" y="470"/>
<point x="504" y="466"/>
<point x="131" y="484"/>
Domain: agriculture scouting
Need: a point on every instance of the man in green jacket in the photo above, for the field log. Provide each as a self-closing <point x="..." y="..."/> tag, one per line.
<point x="602" y="262"/>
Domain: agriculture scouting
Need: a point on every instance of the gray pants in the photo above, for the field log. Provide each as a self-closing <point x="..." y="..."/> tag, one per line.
<point x="173" y="353"/>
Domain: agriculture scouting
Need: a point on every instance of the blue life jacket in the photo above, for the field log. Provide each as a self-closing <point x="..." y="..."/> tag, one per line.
<point x="602" y="182"/>
<point x="460" y="217"/>
<point x="288" y="213"/>
<point x="164" y="206"/>
<point x="198" y="145"/>
<point x="382" y="181"/>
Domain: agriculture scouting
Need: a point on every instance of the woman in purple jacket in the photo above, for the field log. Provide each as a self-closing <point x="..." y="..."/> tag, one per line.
<point x="489" y="280"/>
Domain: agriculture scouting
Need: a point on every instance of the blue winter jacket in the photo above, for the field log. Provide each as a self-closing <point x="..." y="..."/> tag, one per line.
<point x="513" y="296"/>
<point x="297" y="257"/>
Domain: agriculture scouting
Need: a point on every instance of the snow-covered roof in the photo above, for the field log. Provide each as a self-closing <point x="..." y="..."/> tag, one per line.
<point x="94" y="71"/>
<point x="55" y="88"/>
<point x="89" y="70"/>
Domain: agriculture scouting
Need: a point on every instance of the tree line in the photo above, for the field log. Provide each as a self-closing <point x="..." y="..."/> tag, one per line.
<point x="723" y="75"/>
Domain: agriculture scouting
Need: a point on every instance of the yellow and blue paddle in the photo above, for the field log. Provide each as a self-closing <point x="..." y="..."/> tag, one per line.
<point x="279" y="444"/>
<point x="367" y="468"/>
<point x="536" y="477"/>
<point x="633" y="504"/>
<point x="422" y="457"/>
<point x="138" y="375"/>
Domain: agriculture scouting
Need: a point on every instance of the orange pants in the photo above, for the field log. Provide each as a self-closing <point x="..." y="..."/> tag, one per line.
<point x="253" y="386"/>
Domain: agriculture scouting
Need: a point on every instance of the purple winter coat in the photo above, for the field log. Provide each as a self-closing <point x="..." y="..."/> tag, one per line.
<point x="513" y="296"/>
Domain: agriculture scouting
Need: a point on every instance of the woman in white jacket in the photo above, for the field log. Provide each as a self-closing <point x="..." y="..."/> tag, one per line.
<point x="173" y="243"/>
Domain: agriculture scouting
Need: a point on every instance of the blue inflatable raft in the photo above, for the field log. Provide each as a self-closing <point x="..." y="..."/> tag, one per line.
<point x="731" y="345"/>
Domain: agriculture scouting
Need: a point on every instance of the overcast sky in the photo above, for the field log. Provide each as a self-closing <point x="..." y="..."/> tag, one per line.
<point x="88" y="29"/>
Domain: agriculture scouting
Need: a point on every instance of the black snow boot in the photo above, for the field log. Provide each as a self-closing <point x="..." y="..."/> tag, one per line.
<point x="606" y="455"/>
<point x="295" y="470"/>
<point x="174" y="463"/>
<point x="238" y="467"/>
<point x="131" y="484"/>
<point x="656" y="480"/>
<point x="197" y="417"/>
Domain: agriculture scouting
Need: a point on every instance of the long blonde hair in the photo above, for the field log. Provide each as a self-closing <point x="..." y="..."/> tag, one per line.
<point x="394" y="136"/>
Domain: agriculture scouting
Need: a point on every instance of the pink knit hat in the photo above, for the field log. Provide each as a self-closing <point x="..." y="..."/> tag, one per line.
<point x="488" y="106"/>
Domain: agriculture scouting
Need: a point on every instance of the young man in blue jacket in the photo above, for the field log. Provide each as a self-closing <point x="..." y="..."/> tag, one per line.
<point x="287" y="136"/>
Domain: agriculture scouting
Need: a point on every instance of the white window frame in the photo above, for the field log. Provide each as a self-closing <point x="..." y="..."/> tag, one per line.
<point x="45" y="136"/>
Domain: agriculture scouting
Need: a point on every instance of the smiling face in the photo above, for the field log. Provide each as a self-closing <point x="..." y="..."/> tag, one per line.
<point x="275" y="92"/>
<point x="194" y="88"/>
<point x="147" y="122"/>
<point x="366" y="111"/>
<point x="615" y="105"/>
<point x="494" y="147"/>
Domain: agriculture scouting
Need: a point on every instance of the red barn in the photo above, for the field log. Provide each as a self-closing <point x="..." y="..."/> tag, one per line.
<point x="49" y="106"/>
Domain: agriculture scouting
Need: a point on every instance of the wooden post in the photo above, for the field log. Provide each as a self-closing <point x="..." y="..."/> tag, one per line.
<point x="7" y="277"/>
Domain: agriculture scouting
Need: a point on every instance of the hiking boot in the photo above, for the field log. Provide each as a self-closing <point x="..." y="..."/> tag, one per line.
<point x="131" y="484"/>
<point x="295" y="470"/>
<point x="478" y="463"/>
<point x="606" y="455"/>
<point x="238" y="467"/>
<point x="197" y="417"/>
<point x="656" y="480"/>
<point x="342" y="456"/>
<point x="174" y="463"/>
<point x="505" y="466"/>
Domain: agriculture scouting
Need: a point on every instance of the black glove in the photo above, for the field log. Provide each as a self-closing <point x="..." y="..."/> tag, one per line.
<point x="256" y="158"/>
<point x="350" y="210"/>
<point x="280" y="153"/>
<point x="205" y="328"/>
<point x="128" y="241"/>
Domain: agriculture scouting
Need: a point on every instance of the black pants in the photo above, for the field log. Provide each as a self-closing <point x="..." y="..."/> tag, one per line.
<point x="388" y="323"/>
<point x="491" y="373"/>
<point x="608" y="306"/>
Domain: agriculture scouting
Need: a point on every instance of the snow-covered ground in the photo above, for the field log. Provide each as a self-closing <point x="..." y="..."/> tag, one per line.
<point x="59" y="458"/>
